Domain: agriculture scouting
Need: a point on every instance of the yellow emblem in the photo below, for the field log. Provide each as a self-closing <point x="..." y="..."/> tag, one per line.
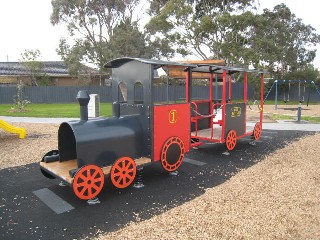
<point x="173" y="116"/>
<point x="236" y="112"/>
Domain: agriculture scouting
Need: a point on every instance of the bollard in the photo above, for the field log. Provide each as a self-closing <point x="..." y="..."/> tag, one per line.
<point x="299" y="113"/>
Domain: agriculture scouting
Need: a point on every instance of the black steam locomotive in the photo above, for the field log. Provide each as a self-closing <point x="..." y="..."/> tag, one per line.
<point x="139" y="132"/>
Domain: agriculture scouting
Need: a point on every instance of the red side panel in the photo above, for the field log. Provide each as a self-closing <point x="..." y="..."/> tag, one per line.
<point x="168" y="121"/>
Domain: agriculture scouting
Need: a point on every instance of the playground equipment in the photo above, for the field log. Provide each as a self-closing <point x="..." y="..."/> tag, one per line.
<point x="286" y="94"/>
<point x="224" y="120"/>
<point x="143" y="131"/>
<point x="287" y="88"/>
<point x="16" y="130"/>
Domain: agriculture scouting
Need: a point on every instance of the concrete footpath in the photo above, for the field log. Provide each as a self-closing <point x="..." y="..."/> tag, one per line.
<point x="279" y="125"/>
<point x="35" y="120"/>
<point x="290" y="125"/>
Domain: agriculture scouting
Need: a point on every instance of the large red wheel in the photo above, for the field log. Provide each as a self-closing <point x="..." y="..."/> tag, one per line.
<point x="172" y="154"/>
<point x="123" y="172"/>
<point x="257" y="131"/>
<point x="88" y="182"/>
<point x="231" y="140"/>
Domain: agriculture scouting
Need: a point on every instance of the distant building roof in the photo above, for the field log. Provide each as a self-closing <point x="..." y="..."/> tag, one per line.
<point x="51" y="68"/>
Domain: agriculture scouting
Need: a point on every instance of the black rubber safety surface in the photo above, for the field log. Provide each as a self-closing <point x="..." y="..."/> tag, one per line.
<point x="24" y="216"/>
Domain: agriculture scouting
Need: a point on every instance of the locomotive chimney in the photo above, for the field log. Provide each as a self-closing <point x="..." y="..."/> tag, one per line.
<point x="83" y="99"/>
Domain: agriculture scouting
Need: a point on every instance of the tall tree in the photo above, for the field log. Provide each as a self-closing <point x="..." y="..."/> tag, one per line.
<point x="231" y="30"/>
<point x="91" y="24"/>
<point x="127" y="40"/>
<point x="282" y="41"/>
<point x="207" y="29"/>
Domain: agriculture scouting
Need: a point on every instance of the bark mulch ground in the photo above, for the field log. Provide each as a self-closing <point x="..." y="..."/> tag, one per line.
<point x="41" y="138"/>
<point x="278" y="198"/>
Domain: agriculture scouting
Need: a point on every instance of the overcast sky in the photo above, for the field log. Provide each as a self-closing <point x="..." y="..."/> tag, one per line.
<point x="25" y="24"/>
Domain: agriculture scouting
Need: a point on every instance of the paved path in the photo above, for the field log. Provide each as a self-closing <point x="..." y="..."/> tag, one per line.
<point x="291" y="125"/>
<point x="35" y="120"/>
<point x="280" y="125"/>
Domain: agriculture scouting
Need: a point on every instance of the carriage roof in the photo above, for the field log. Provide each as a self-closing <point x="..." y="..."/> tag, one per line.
<point x="211" y="68"/>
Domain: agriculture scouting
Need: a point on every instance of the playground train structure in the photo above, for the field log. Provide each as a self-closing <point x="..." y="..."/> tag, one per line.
<point x="143" y="131"/>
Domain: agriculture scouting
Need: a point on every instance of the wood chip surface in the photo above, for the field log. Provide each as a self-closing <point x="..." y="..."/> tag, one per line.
<point x="278" y="198"/>
<point x="41" y="138"/>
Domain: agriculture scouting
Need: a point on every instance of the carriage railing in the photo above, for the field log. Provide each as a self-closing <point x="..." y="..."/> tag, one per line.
<point x="194" y="119"/>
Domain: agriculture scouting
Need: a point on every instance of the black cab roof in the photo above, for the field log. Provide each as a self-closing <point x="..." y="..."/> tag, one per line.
<point x="157" y="63"/>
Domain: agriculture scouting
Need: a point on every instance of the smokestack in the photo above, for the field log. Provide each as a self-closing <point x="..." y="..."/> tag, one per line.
<point x="83" y="99"/>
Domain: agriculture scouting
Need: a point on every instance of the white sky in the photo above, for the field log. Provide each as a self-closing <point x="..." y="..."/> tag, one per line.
<point x="25" y="24"/>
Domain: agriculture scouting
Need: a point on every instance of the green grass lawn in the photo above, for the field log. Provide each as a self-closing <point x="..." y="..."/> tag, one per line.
<point x="70" y="110"/>
<point x="286" y="117"/>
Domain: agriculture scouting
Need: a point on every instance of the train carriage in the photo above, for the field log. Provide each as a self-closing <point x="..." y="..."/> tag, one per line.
<point x="143" y="130"/>
<point x="224" y="120"/>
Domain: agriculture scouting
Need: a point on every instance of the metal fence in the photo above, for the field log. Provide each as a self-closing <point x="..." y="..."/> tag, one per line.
<point x="53" y="94"/>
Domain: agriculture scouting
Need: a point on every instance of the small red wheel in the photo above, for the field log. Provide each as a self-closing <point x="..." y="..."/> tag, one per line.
<point x="231" y="140"/>
<point x="123" y="172"/>
<point x="257" y="131"/>
<point x="172" y="154"/>
<point x="88" y="182"/>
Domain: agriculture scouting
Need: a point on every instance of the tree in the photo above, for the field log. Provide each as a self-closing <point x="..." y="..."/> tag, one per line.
<point x="230" y="30"/>
<point x="282" y="42"/>
<point x="127" y="40"/>
<point x="98" y="30"/>
<point x="19" y="100"/>
<point x="29" y="59"/>
<point x="306" y="73"/>
<point x="72" y="56"/>
<point x="207" y="29"/>
<point x="33" y="66"/>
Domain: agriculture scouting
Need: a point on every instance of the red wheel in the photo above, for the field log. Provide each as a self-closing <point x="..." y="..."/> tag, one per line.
<point x="231" y="140"/>
<point x="88" y="182"/>
<point x="172" y="154"/>
<point x="257" y="131"/>
<point x="123" y="172"/>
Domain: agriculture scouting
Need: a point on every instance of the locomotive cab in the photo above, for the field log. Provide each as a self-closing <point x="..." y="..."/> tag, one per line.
<point x="166" y="124"/>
